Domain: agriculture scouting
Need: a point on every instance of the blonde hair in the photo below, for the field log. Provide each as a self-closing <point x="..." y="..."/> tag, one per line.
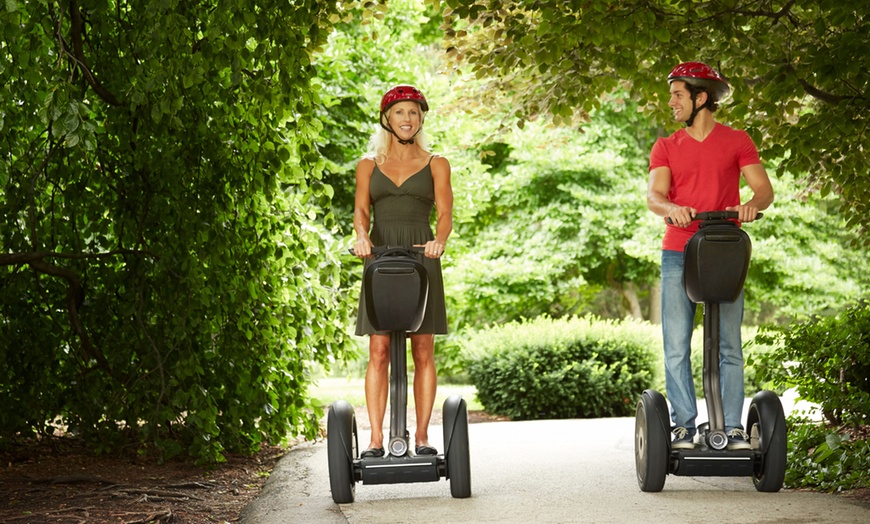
<point x="381" y="140"/>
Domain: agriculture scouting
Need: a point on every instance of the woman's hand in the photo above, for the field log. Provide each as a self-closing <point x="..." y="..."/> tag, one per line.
<point x="363" y="248"/>
<point x="434" y="248"/>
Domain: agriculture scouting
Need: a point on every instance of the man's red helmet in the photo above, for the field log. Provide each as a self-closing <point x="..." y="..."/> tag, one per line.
<point x="401" y="93"/>
<point x="701" y="75"/>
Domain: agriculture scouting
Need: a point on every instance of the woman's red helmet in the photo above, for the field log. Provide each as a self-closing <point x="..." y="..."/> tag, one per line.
<point x="401" y="93"/>
<point x="701" y="75"/>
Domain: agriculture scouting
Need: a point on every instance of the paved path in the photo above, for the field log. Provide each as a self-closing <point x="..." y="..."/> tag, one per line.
<point x="551" y="471"/>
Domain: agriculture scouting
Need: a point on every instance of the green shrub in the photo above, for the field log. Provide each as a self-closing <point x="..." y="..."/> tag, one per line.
<point x="822" y="457"/>
<point x="827" y="360"/>
<point x="574" y="368"/>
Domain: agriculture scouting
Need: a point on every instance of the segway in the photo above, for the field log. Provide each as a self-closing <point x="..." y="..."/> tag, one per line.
<point x="716" y="263"/>
<point x="396" y="284"/>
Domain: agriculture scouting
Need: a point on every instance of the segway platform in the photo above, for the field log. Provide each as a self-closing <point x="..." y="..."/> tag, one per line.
<point x="699" y="463"/>
<point x="395" y="470"/>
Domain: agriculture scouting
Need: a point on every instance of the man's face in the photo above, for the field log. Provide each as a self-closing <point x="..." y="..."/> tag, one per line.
<point x="681" y="101"/>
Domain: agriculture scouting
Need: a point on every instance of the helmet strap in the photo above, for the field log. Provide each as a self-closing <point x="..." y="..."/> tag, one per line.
<point x="695" y="108"/>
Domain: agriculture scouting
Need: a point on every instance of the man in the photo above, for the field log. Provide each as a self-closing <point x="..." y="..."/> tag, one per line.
<point x="698" y="169"/>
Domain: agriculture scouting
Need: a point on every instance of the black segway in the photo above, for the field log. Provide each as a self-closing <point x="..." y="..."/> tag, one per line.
<point x="716" y="263"/>
<point x="397" y="284"/>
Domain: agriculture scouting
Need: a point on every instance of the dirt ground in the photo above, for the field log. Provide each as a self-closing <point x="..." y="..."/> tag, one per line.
<point x="60" y="482"/>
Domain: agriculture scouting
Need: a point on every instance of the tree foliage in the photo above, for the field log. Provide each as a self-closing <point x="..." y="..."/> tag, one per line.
<point x="565" y="221"/>
<point x="168" y="268"/>
<point x="552" y="219"/>
<point x="799" y="69"/>
<point x="564" y="229"/>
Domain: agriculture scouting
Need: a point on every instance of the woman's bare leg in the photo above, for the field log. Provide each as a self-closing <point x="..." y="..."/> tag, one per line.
<point x="425" y="383"/>
<point x="377" y="386"/>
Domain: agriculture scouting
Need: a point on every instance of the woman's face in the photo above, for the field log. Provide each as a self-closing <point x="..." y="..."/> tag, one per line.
<point x="405" y="118"/>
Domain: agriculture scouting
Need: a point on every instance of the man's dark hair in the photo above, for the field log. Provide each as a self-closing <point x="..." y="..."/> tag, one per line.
<point x="712" y="104"/>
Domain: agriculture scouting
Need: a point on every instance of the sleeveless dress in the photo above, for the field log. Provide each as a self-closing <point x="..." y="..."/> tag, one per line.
<point x="401" y="218"/>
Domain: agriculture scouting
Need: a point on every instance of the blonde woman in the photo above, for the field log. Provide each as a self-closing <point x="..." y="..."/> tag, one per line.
<point x="398" y="183"/>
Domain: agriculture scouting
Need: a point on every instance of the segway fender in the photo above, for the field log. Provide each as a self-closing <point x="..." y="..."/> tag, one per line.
<point x="771" y="413"/>
<point x="341" y="416"/>
<point x="454" y="412"/>
<point x="657" y="400"/>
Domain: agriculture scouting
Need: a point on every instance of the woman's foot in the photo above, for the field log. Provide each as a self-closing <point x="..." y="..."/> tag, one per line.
<point x="372" y="453"/>
<point x="425" y="450"/>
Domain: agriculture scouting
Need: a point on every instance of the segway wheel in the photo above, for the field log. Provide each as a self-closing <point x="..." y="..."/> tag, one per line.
<point x="342" y="447"/>
<point x="766" y="419"/>
<point x="651" y="442"/>
<point x="457" y="453"/>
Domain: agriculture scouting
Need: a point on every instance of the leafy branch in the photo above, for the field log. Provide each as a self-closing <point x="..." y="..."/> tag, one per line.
<point x="75" y="295"/>
<point x="77" y="57"/>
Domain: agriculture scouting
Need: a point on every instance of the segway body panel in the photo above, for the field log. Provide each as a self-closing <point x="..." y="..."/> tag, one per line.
<point x="397" y="287"/>
<point x="716" y="262"/>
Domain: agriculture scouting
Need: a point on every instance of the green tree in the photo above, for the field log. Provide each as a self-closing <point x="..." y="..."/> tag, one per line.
<point x="553" y="220"/>
<point x="364" y="57"/>
<point x="561" y="226"/>
<point x="799" y="70"/>
<point x="168" y="261"/>
<point x="565" y="230"/>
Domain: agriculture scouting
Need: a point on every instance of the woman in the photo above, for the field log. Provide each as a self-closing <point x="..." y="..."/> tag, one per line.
<point x="402" y="181"/>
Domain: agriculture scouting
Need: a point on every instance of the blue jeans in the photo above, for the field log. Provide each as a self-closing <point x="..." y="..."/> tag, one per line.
<point x="678" y="315"/>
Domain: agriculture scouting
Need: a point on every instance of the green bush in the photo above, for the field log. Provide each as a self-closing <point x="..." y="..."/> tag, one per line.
<point x="827" y="360"/>
<point x="570" y="368"/>
<point x="820" y="456"/>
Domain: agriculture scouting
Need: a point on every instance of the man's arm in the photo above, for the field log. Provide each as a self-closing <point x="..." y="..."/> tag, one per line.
<point x="762" y="192"/>
<point x="658" y="202"/>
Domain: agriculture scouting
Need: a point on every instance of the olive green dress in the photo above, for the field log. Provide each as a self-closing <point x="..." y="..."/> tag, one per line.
<point x="401" y="218"/>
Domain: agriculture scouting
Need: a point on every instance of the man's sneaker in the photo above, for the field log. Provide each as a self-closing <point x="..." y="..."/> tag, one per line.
<point x="738" y="439"/>
<point x="683" y="439"/>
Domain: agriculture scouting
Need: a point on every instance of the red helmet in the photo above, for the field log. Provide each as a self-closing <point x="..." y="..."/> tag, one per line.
<point x="401" y="93"/>
<point x="701" y="75"/>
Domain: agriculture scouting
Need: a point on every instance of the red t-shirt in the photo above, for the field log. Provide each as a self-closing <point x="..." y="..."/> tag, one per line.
<point x="704" y="175"/>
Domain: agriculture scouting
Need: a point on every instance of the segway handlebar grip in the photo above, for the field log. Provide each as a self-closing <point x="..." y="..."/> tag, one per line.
<point x="377" y="250"/>
<point x="715" y="215"/>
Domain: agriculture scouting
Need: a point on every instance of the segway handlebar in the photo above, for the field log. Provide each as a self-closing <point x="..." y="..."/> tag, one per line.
<point x="716" y="215"/>
<point x="378" y="250"/>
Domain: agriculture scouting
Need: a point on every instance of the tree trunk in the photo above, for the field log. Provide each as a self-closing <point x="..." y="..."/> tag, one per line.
<point x="630" y="293"/>
<point x="655" y="303"/>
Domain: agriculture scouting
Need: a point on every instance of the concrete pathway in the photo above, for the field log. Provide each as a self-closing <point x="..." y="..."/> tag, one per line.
<point x="551" y="471"/>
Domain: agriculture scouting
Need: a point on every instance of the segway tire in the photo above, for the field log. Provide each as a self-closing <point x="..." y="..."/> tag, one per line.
<point x="457" y="453"/>
<point x="342" y="447"/>
<point x="651" y="442"/>
<point x="766" y="412"/>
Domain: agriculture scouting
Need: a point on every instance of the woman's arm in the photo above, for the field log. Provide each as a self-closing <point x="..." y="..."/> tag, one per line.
<point x="443" y="207"/>
<point x="362" y="208"/>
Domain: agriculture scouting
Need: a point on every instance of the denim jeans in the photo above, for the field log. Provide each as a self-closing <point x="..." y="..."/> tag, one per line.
<point x="678" y="314"/>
